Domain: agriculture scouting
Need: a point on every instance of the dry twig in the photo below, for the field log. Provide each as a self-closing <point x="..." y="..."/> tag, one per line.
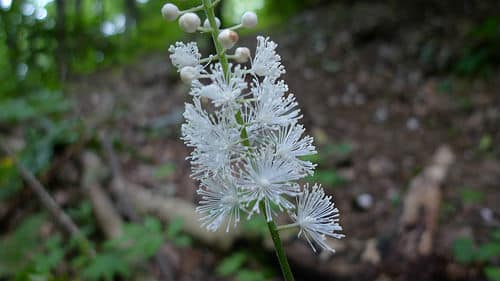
<point x="48" y="202"/>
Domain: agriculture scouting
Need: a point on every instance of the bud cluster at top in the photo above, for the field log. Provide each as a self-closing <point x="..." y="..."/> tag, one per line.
<point x="243" y="125"/>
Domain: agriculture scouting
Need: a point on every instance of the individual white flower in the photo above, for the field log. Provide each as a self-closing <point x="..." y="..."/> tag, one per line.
<point x="249" y="20"/>
<point x="170" y="11"/>
<point x="189" y="73"/>
<point x="189" y="22"/>
<point x="317" y="217"/>
<point x="272" y="108"/>
<point x="222" y="91"/>
<point x="242" y="54"/>
<point x="228" y="38"/>
<point x="267" y="62"/>
<point x="217" y="149"/>
<point x="183" y="55"/>
<point x="268" y="178"/>
<point x="289" y="144"/>
<point x="198" y="124"/>
<point x="220" y="202"/>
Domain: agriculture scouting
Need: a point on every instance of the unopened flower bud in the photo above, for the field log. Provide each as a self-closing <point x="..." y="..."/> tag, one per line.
<point x="206" y="23"/>
<point x="170" y="12"/>
<point x="228" y="38"/>
<point x="249" y="20"/>
<point x="189" y="22"/>
<point x="241" y="54"/>
<point x="188" y="74"/>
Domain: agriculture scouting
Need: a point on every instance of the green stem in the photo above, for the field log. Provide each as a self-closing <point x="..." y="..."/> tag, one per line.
<point x="209" y="11"/>
<point x="278" y="246"/>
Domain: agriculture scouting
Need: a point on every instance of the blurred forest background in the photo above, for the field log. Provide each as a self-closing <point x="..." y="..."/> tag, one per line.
<point x="403" y="99"/>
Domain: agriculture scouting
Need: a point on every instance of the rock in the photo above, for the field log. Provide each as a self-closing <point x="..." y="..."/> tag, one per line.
<point x="487" y="215"/>
<point x="381" y="114"/>
<point x="380" y="166"/>
<point x="412" y="124"/>
<point x="371" y="253"/>
<point x="364" y="201"/>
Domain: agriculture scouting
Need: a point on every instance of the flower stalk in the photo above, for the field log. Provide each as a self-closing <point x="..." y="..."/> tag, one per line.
<point x="278" y="246"/>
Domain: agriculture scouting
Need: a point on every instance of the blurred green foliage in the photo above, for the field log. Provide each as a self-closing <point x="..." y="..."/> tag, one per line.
<point x="480" y="53"/>
<point x="30" y="254"/>
<point x="238" y="265"/>
<point x="484" y="255"/>
<point x="326" y="157"/>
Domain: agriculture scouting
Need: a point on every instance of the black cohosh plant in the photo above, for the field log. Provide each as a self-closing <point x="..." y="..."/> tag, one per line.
<point x="248" y="151"/>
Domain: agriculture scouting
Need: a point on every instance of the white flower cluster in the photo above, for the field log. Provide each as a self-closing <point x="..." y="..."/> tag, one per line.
<point x="248" y="145"/>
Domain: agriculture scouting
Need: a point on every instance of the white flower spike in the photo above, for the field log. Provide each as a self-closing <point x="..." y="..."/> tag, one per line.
<point x="317" y="217"/>
<point x="246" y="139"/>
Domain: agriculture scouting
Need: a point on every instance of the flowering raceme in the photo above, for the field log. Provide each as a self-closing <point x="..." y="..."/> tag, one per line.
<point x="248" y="145"/>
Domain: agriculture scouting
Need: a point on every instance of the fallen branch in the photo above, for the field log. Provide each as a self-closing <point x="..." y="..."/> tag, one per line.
<point x="64" y="221"/>
<point x="421" y="206"/>
<point x="107" y="217"/>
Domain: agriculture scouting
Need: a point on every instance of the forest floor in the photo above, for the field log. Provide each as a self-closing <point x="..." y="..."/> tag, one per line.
<point x="369" y="84"/>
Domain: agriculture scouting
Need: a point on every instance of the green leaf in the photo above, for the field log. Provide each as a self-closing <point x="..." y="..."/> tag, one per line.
<point x="492" y="273"/>
<point x="256" y="224"/>
<point x="175" y="227"/>
<point x="106" y="266"/>
<point x="164" y="171"/>
<point x="183" y="241"/>
<point x="495" y="235"/>
<point x="464" y="250"/>
<point x="471" y="196"/>
<point x="485" y="143"/>
<point x="17" y="247"/>
<point x="488" y="251"/>
<point x="250" y="275"/>
<point x="326" y="177"/>
<point x="231" y="264"/>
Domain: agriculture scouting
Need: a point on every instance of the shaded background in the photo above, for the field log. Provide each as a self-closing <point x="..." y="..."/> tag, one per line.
<point x="403" y="100"/>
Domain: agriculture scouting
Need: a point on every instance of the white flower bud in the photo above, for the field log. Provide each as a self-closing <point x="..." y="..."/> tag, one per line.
<point x="189" y="22"/>
<point x="206" y="23"/>
<point x="249" y="20"/>
<point x="241" y="54"/>
<point x="188" y="74"/>
<point x="170" y="12"/>
<point x="228" y="38"/>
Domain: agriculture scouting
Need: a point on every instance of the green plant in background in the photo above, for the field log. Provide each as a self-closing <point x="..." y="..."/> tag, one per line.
<point x="174" y="233"/>
<point x="467" y="252"/>
<point x="25" y="254"/>
<point x="471" y="196"/>
<point x="120" y="256"/>
<point x="324" y="175"/>
<point x="237" y="265"/>
<point x="481" y="50"/>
